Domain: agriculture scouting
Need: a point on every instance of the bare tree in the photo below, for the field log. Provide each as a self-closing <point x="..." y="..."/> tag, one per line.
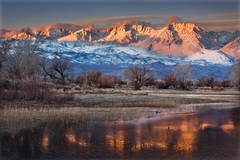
<point x="23" y="62"/>
<point x="210" y="82"/>
<point x="5" y="47"/>
<point x="56" y="68"/>
<point x="138" y="76"/>
<point x="79" y="80"/>
<point x="201" y="82"/>
<point x="235" y="75"/>
<point x="183" y="73"/>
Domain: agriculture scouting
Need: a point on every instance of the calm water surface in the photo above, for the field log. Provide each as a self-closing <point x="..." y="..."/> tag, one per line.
<point x="212" y="134"/>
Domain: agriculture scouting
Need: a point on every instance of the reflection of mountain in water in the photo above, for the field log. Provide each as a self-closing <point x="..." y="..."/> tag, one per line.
<point x="212" y="134"/>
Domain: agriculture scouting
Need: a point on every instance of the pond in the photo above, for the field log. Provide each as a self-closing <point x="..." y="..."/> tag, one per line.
<point x="212" y="133"/>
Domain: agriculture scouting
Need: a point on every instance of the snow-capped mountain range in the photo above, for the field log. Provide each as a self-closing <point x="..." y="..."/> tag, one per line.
<point x="113" y="59"/>
<point x="174" y="38"/>
<point x="98" y="53"/>
<point x="114" y="47"/>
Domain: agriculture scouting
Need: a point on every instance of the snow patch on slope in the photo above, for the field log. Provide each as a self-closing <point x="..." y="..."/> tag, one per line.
<point x="97" y="53"/>
<point x="210" y="56"/>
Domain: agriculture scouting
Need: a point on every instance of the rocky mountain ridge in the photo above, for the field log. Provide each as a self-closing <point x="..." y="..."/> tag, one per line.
<point x="172" y="39"/>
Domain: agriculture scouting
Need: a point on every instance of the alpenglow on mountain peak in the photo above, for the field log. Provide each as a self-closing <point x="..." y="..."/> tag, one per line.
<point x="176" y="38"/>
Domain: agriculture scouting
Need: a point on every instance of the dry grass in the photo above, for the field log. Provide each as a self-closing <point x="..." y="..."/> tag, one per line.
<point x="146" y="91"/>
<point x="128" y="98"/>
<point x="18" y="118"/>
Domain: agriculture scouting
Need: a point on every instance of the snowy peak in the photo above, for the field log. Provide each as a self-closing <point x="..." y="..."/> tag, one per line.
<point x="178" y="38"/>
<point x="56" y="30"/>
<point x="6" y="34"/>
<point x="127" y="32"/>
<point x="87" y="34"/>
<point x="173" y="39"/>
<point x="124" y="33"/>
<point x="23" y="36"/>
<point x="184" y="28"/>
<point x="137" y="26"/>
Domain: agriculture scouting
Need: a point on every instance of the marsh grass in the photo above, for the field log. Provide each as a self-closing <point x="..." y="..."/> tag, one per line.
<point x="18" y="118"/>
<point x="15" y="118"/>
<point x="155" y="102"/>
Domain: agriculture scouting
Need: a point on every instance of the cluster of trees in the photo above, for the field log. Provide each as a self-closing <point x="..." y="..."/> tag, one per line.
<point x="179" y="78"/>
<point x="211" y="82"/>
<point x="97" y="80"/>
<point x="23" y="69"/>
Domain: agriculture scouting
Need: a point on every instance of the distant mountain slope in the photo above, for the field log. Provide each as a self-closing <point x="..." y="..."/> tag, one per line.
<point x="113" y="59"/>
<point x="86" y="34"/>
<point x="56" y="30"/>
<point x="124" y="33"/>
<point x="179" y="38"/>
<point x="7" y="34"/>
<point x="172" y="39"/>
<point x="233" y="48"/>
<point x="127" y="32"/>
<point x="223" y="37"/>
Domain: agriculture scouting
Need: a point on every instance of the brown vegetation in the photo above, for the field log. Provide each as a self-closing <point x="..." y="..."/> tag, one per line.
<point x="139" y="76"/>
<point x="26" y="75"/>
<point x="235" y="76"/>
<point x="57" y="69"/>
<point x="30" y="90"/>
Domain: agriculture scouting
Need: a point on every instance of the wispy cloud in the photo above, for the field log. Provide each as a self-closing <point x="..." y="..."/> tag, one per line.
<point x="218" y="22"/>
<point x="220" y="25"/>
<point x="215" y="22"/>
<point x="218" y="16"/>
<point x="108" y="20"/>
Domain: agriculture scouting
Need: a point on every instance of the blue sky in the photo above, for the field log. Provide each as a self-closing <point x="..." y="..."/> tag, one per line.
<point x="22" y="13"/>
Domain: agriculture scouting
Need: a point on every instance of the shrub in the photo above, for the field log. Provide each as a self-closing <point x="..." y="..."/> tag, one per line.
<point x="201" y="82"/>
<point x="235" y="75"/>
<point x="226" y="83"/>
<point x="79" y="80"/>
<point x="32" y="90"/>
<point x="210" y="81"/>
<point x="185" y="85"/>
<point x="4" y="84"/>
<point x="161" y="85"/>
<point x="107" y="82"/>
<point x="170" y="80"/>
<point x="92" y="78"/>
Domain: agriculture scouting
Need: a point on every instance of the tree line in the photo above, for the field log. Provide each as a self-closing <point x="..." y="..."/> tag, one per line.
<point x="23" y="68"/>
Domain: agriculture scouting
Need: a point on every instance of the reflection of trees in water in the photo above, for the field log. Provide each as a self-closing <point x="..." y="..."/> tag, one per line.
<point x="236" y="116"/>
<point x="187" y="135"/>
<point x="22" y="144"/>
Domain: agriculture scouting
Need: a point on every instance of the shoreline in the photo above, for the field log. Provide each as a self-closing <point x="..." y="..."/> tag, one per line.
<point x="18" y="118"/>
<point x="115" y="98"/>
